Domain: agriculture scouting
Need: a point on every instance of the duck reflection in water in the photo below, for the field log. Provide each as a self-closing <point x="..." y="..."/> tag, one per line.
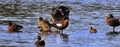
<point x="65" y="37"/>
<point x="112" y="33"/>
<point x="43" y="34"/>
<point x="110" y="37"/>
<point x="62" y="38"/>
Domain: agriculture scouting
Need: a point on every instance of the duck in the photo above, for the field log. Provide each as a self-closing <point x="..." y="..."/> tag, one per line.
<point x="12" y="27"/>
<point x="92" y="30"/>
<point x="60" y="17"/>
<point x="111" y="21"/>
<point x="44" y="25"/>
<point x="39" y="42"/>
<point x="59" y="12"/>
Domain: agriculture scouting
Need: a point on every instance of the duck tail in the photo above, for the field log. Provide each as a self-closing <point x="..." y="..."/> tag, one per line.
<point x="20" y="27"/>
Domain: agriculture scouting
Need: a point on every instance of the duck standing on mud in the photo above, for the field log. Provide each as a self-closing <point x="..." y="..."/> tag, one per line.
<point x="111" y="21"/>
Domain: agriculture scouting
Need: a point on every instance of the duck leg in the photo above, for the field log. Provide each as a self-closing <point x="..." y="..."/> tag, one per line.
<point x="58" y="31"/>
<point x="113" y="29"/>
<point x="61" y="31"/>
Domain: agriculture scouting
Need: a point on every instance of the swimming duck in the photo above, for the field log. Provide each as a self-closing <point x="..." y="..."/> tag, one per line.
<point x="111" y="21"/>
<point x="92" y="30"/>
<point x="39" y="42"/>
<point x="12" y="27"/>
<point x="44" y="25"/>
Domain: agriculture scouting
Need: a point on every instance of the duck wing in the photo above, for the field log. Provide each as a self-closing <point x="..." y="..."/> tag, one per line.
<point x="114" y="22"/>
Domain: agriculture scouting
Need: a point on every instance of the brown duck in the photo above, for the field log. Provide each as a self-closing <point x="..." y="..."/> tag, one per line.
<point x="44" y="25"/>
<point x="114" y="22"/>
<point x="92" y="30"/>
<point x="12" y="27"/>
<point x="39" y="42"/>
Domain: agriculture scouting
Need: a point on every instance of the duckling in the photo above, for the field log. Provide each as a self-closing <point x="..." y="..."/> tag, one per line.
<point x="111" y="21"/>
<point x="40" y="42"/>
<point x="44" y="25"/>
<point x="92" y="30"/>
<point x="12" y="27"/>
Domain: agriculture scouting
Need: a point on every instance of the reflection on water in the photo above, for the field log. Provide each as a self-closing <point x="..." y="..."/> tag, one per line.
<point x="113" y="33"/>
<point x="65" y="37"/>
<point x="62" y="36"/>
<point x="60" y="39"/>
<point x="83" y="14"/>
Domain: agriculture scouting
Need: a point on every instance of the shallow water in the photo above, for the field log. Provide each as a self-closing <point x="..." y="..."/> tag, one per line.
<point x="83" y="15"/>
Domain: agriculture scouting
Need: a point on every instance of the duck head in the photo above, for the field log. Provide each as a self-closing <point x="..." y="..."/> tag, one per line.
<point x="10" y="23"/>
<point x="40" y="18"/>
<point x="39" y="37"/>
<point x="110" y="16"/>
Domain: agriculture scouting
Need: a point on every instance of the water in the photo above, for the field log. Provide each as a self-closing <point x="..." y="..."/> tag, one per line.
<point x="83" y="15"/>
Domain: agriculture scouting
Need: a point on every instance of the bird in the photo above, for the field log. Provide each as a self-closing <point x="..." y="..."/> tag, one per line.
<point x="12" y="27"/>
<point x="60" y="17"/>
<point x="39" y="42"/>
<point x="111" y="21"/>
<point x="92" y="30"/>
<point x="44" y="25"/>
<point x="59" y="12"/>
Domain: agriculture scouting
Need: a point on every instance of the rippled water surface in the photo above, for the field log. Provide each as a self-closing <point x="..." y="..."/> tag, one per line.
<point x="83" y="15"/>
